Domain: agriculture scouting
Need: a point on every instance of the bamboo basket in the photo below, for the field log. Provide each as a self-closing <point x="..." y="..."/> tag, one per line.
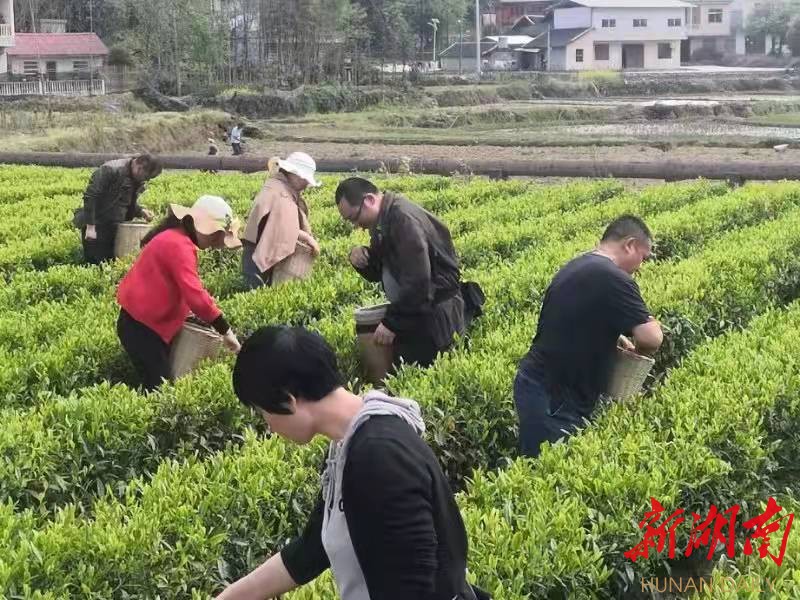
<point x="295" y="266"/>
<point x="193" y="344"/>
<point x="376" y="360"/>
<point x="129" y="237"/>
<point x="629" y="373"/>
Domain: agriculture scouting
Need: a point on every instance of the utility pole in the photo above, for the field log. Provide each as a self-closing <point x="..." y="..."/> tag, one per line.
<point x="435" y="24"/>
<point x="91" y="57"/>
<point x="460" y="44"/>
<point x="478" y="38"/>
<point x="547" y="58"/>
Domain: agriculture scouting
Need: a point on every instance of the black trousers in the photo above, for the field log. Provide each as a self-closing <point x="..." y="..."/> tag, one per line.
<point x="419" y="339"/>
<point x="414" y="348"/>
<point x="253" y="278"/>
<point x="99" y="250"/>
<point x="147" y="351"/>
<point x="237" y="149"/>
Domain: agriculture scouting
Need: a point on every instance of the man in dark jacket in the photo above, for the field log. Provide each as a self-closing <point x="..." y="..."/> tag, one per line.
<point x="411" y="253"/>
<point x="110" y="199"/>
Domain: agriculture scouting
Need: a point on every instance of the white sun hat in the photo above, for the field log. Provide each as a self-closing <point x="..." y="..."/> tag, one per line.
<point x="211" y="214"/>
<point x="299" y="163"/>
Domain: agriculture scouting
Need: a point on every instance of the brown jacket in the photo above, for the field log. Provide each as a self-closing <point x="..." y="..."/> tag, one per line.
<point x="275" y="221"/>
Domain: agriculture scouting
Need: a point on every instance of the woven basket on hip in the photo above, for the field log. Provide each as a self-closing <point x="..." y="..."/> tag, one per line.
<point x="129" y="237"/>
<point x="295" y="266"/>
<point x="629" y="373"/>
<point x="193" y="344"/>
<point x="376" y="360"/>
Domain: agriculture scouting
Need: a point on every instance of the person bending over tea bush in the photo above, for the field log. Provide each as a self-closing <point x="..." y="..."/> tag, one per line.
<point x="591" y="302"/>
<point x="411" y="253"/>
<point x="386" y="523"/>
<point x="163" y="287"/>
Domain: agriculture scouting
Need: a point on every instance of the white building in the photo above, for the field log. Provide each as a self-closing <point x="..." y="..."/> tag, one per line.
<point x="615" y="34"/>
<point x="718" y="27"/>
<point x="56" y="56"/>
<point x="6" y="32"/>
<point x="52" y="56"/>
<point x="715" y="27"/>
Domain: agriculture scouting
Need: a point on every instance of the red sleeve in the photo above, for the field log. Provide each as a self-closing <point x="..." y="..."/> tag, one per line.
<point x="183" y="265"/>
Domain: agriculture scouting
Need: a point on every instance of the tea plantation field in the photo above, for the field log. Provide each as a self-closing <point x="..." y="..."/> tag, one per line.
<point x="107" y="493"/>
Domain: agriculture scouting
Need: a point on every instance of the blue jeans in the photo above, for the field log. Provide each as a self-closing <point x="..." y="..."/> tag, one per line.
<point x="542" y="418"/>
<point x="252" y="276"/>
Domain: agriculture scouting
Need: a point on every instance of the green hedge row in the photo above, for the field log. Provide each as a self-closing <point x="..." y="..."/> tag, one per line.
<point x="81" y="411"/>
<point x="21" y="454"/>
<point x="102" y="539"/>
<point x="164" y="526"/>
<point x="230" y="556"/>
<point x="333" y="284"/>
<point x="46" y="242"/>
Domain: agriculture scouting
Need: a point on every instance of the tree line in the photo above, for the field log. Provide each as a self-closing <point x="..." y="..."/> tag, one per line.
<point x="284" y="43"/>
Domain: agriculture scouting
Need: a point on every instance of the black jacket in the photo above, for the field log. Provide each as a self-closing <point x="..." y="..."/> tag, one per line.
<point x="425" y="558"/>
<point x="417" y="250"/>
<point x="111" y="195"/>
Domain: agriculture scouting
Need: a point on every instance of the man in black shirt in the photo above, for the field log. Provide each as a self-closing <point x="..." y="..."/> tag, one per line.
<point x="412" y="254"/>
<point x="588" y="307"/>
<point x="386" y="523"/>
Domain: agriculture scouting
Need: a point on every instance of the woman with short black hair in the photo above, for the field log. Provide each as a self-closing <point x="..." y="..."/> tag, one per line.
<point x="386" y="524"/>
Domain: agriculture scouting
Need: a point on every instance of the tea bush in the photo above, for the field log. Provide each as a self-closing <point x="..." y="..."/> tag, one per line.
<point x="110" y="493"/>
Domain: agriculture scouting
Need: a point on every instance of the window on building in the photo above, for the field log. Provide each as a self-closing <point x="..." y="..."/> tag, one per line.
<point x="601" y="51"/>
<point x="609" y="23"/>
<point x="579" y="55"/>
<point x="665" y="51"/>
<point x="640" y="22"/>
<point x="696" y="20"/>
<point x="80" y="66"/>
<point x="30" y="68"/>
<point x="674" y="22"/>
<point x="715" y="15"/>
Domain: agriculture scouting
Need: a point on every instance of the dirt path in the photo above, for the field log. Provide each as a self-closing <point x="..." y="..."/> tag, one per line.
<point x="632" y="152"/>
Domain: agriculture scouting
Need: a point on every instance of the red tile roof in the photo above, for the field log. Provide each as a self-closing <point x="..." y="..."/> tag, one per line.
<point x="57" y="44"/>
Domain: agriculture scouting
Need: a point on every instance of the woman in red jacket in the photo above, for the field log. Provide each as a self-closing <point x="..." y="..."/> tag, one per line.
<point x="163" y="288"/>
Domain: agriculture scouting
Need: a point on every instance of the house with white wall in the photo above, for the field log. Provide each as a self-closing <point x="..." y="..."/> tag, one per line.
<point x="719" y="27"/>
<point x="713" y="27"/>
<point x="6" y="32"/>
<point x="56" y="56"/>
<point x="615" y="34"/>
<point x="53" y="56"/>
